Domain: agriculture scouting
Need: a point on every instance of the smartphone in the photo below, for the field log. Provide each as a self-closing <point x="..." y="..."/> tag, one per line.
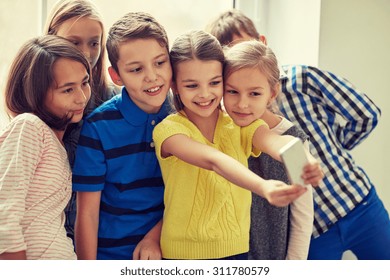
<point x="294" y="159"/>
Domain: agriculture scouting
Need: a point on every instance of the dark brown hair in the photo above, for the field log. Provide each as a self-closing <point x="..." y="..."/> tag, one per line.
<point x="229" y="23"/>
<point x="31" y="76"/>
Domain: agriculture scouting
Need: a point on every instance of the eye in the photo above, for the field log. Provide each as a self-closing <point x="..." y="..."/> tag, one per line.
<point x="135" y="70"/>
<point x="68" y="90"/>
<point x="231" y="91"/>
<point x="95" y="44"/>
<point x="191" y="86"/>
<point x="215" y="83"/>
<point x="76" y="43"/>
<point x="86" y="83"/>
<point x="159" y="63"/>
<point x="255" y="93"/>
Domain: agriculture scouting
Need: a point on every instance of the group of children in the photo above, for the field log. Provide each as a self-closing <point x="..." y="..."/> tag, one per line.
<point x="158" y="174"/>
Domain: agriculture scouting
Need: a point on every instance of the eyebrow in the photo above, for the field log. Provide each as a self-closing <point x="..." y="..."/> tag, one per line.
<point x="139" y="62"/>
<point x="192" y="80"/>
<point x="251" y="88"/>
<point x="79" y="37"/>
<point x="73" y="83"/>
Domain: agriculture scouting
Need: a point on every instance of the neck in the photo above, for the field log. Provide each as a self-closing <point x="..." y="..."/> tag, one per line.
<point x="59" y="134"/>
<point x="271" y="119"/>
<point x="206" y="125"/>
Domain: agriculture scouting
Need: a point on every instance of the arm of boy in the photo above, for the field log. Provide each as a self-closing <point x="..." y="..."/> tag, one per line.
<point x="149" y="247"/>
<point x="270" y="143"/>
<point x="203" y="156"/>
<point x="87" y="223"/>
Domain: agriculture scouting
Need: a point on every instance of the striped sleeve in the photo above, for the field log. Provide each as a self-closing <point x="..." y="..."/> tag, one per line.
<point x="90" y="164"/>
<point x="20" y="149"/>
<point x="359" y="113"/>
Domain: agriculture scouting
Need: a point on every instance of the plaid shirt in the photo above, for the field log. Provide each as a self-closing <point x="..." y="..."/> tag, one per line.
<point x="337" y="117"/>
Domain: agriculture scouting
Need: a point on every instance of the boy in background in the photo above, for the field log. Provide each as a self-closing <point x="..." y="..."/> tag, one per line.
<point x="116" y="174"/>
<point x="348" y="214"/>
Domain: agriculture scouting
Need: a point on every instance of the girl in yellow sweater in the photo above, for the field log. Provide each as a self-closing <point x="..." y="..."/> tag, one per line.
<point x="203" y="157"/>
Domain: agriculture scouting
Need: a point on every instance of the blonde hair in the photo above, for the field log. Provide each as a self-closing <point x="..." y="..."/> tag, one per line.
<point x="64" y="10"/>
<point x="253" y="54"/>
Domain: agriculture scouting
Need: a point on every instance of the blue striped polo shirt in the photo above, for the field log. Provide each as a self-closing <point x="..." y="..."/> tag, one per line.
<point x="336" y="117"/>
<point x="116" y="155"/>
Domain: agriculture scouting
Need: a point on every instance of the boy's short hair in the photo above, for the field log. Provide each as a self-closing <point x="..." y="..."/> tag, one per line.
<point x="229" y="23"/>
<point x="133" y="25"/>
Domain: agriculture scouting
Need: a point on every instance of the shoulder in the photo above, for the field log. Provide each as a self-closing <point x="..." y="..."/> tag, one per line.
<point x="106" y="110"/>
<point x="173" y="124"/>
<point x="30" y="122"/>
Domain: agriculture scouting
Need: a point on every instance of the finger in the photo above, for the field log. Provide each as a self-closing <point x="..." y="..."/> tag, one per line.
<point x="136" y="255"/>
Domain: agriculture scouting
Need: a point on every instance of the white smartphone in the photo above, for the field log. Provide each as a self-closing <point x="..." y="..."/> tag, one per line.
<point x="294" y="159"/>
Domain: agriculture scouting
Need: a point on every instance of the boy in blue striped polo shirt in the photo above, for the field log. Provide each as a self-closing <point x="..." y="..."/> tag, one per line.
<point x="348" y="214"/>
<point x="116" y="173"/>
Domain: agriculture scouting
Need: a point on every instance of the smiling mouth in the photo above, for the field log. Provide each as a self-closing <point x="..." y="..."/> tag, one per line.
<point x="153" y="90"/>
<point x="242" y="115"/>
<point x="205" y="104"/>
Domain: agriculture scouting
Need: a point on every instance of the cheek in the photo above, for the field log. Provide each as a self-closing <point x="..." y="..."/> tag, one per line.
<point x="95" y="57"/>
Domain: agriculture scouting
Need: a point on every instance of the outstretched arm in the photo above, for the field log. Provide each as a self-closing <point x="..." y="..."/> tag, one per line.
<point x="203" y="156"/>
<point x="270" y="143"/>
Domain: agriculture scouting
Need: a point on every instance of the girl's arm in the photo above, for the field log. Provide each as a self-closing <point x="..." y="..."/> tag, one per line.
<point x="203" y="156"/>
<point x="87" y="223"/>
<point x="149" y="247"/>
<point x="21" y="255"/>
<point x="270" y="143"/>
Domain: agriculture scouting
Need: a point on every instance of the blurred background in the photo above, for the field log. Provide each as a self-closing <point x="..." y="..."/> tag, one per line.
<point x="347" y="37"/>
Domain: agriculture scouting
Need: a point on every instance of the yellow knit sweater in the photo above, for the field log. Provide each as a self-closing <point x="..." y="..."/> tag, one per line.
<point x="206" y="216"/>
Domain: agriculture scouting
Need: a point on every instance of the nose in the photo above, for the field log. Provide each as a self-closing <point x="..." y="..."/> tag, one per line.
<point x="81" y="97"/>
<point x="150" y="75"/>
<point x="86" y="51"/>
<point x="242" y="102"/>
<point x="204" y="92"/>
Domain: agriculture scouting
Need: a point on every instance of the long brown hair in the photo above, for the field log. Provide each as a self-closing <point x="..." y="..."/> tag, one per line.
<point x="31" y="76"/>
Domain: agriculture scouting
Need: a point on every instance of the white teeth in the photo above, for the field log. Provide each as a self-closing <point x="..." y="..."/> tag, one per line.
<point x="153" y="89"/>
<point x="204" y="103"/>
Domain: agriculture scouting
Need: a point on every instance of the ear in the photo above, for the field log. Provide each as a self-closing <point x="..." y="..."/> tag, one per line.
<point x="274" y="93"/>
<point x="263" y="39"/>
<point x="116" y="79"/>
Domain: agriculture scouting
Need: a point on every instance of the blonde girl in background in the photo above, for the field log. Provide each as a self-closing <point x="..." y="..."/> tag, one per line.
<point x="80" y="22"/>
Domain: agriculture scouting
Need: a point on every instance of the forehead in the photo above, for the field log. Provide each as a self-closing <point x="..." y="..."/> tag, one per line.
<point x="196" y="69"/>
<point x="140" y="50"/>
<point x="68" y="71"/>
<point x="80" y="26"/>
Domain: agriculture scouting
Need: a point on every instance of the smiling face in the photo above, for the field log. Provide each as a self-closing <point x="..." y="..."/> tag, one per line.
<point x="145" y="71"/>
<point x="200" y="87"/>
<point x="86" y="34"/>
<point x="247" y="94"/>
<point x="70" y="91"/>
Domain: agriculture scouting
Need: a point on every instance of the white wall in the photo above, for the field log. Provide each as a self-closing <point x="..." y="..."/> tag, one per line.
<point x="354" y="43"/>
<point x="292" y="27"/>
